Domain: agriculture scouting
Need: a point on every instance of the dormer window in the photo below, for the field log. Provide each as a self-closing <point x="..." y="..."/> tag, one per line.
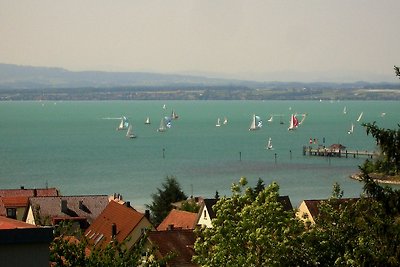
<point x="12" y="213"/>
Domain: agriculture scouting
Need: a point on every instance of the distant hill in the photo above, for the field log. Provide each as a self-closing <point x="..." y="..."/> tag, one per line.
<point x="41" y="83"/>
<point x="27" y="77"/>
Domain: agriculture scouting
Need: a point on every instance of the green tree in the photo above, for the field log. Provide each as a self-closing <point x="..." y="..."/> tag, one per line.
<point x="250" y="231"/>
<point x="169" y="193"/>
<point x="389" y="143"/>
<point x="70" y="248"/>
<point x="353" y="232"/>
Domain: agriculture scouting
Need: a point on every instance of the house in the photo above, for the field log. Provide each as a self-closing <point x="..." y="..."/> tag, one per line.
<point x="120" y="222"/>
<point x="14" y="202"/>
<point x="176" y="242"/>
<point x="52" y="210"/>
<point x="206" y="212"/>
<point x="178" y="219"/>
<point x="308" y="210"/>
<point x="23" y="244"/>
<point x="14" y="207"/>
<point x="336" y="148"/>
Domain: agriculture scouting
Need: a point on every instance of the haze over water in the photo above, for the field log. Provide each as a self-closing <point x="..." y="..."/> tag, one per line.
<point x="75" y="147"/>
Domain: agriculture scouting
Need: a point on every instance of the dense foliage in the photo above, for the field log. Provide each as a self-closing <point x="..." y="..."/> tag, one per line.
<point x="254" y="230"/>
<point x="70" y="248"/>
<point x="169" y="193"/>
<point x="389" y="143"/>
<point x="250" y="230"/>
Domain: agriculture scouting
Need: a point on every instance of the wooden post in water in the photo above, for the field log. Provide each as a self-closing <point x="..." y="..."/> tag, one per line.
<point x="240" y="156"/>
<point x="163" y="153"/>
<point x="275" y="158"/>
<point x="290" y="154"/>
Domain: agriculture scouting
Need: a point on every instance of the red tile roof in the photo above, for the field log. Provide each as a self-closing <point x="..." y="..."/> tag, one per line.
<point x="7" y="223"/>
<point x="125" y="219"/>
<point x="28" y="192"/>
<point x="179" y="242"/>
<point x="179" y="219"/>
<point x="15" y="201"/>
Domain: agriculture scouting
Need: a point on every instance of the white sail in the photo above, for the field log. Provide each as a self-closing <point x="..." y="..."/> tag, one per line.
<point x="163" y="126"/>
<point x="303" y="118"/>
<point x="130" y="133"/>
<point x="271" y="118"/>
<point x="359" y="117"/>
<point x="344" y="110"/>
<point x="225" y="120"/>
<point x="218" y="122"/>
<point x="123" y="124"/>
<point x="256" y="123"/>
<point x="147" y="121"/>
<point x="269" y="144"/>
<point x="351" y="129"/>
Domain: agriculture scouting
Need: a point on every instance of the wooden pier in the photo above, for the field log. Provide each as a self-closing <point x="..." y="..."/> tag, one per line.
<point x="327" y="152"/>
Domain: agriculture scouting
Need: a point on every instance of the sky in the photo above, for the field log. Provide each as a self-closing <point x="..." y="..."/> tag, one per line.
<point x="263" y="40"/>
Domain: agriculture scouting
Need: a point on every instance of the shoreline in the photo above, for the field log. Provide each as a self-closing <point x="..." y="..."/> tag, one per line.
<point x="356" y="176"/>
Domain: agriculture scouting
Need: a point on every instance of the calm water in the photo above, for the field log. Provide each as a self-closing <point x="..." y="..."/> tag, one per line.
<point x="75" y="146"/>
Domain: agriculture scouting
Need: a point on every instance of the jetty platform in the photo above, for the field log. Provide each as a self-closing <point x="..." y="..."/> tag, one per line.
<point x="323" y="151"/>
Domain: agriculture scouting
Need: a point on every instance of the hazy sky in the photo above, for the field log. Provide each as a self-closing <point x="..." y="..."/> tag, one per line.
<point x="334" y="40"/>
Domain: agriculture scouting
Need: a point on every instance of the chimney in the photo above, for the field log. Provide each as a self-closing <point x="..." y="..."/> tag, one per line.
<point x="147" y="214"/>
<point x="64" y="206"/>
<point x="113" y="230"/>
<point x="22" y="187"/>
<point x="127" y="204"/>
<point x="35" y="192"/>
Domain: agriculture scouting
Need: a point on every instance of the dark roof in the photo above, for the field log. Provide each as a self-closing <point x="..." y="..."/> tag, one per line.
<point x="209" y="203"/>
<point x="178" y="219"/>
<point x="179" y="242"/>
<point x="123" y="217"/>
<point x="285" y="201"/>
<point x="313" y="204"/>
<point x="86" y="207"/>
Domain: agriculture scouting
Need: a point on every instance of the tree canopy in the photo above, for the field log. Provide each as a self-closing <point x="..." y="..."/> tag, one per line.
<point x="389" y="143"/>
<point x="169" y="193"/>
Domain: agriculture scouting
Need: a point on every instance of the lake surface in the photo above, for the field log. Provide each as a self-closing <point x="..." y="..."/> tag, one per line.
<point x="75" y="146"/>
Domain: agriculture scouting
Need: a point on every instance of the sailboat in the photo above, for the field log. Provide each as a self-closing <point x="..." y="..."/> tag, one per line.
<point x="293" y="122"/>
<point x="147" y="121"/>
<point x="174" y="116"/>
<point x="359" y="117"/>
<point x="303" y="118"/>
<point x="351" y="129"/>
<point x="130" y="133"/>
<point x="269" y="144"/>
<point x="344" y="110"/>
<point x="256" y="123"/>
<point x="225" y="121"/>
<point x="218" y="123"/>
<point x="123" y="124"/>
<point x="163" y="126"/>
<point x="271" y="118"/>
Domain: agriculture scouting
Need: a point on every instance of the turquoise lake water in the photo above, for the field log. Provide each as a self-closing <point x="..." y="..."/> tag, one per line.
<point x="75" y="147"/>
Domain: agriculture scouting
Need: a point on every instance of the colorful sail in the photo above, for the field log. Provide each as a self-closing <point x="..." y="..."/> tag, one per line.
<point x="294" y="123"/>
